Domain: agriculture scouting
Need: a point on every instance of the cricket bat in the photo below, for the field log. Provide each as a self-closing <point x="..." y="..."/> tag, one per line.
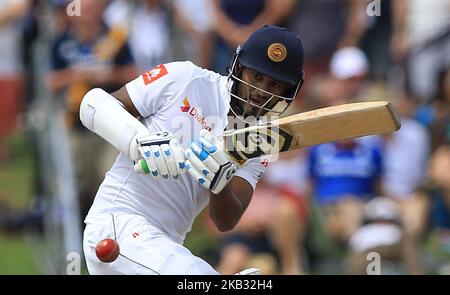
<point x="311" y="128"/>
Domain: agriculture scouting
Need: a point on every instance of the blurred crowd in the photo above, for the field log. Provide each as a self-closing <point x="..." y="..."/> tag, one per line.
<point x="317" y="210"/>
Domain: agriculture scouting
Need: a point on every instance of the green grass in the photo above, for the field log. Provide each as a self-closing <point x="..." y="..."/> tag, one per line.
<point x="16" y="190"/>
<point x="16" y="180"/>
<point x="15" y="183"/>
<point x="201" y="242"/>
<point x="15" y="256"/>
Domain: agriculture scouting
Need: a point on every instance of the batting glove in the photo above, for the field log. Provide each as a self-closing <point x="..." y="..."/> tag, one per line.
<point x="162" y="156"/>
<point x="209" y="165"/>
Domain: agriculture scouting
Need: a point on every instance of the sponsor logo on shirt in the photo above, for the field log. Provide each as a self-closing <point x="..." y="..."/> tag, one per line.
<point x="195" y="113"/>
<point x="186" y="106"/>
<point x="154" y="74"/>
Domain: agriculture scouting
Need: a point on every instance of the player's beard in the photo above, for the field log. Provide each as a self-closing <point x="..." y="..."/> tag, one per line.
<point x="247" y="106"/>
<point x="264" y="103"/>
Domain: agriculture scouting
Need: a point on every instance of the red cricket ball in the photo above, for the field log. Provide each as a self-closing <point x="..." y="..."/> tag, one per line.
<point x="107" y="250"/>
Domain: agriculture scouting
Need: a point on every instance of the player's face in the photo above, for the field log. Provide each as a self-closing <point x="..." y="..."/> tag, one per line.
<point x="257" y="98"/>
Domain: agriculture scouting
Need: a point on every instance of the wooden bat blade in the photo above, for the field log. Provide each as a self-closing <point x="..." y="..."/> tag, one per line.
<point x="312" y="128"/>
<point x="340" y="122"/>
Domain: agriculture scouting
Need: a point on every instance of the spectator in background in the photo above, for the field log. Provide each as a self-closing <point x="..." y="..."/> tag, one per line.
<point x="436" y="114"/>
<point x="270" y="234"/>
<point x="406" y="167"/>
<point x="421" y="40"/>
<point x="325" y="26"/>
<point x="345" y="81"/>
<point x="288" y="177"/>
<point x="439" y="176"/>
<point x="196" y="39"/>
<point x="343" y="175"/>
<point x="235" y="20"/>
<point x="88" y="55"/>
<point x="406" y="153"/>
<point x="249" y="243"/>
<point x="438" y="216"/>
<point x="376" y="39"/>
<point x="11" y="71"/>
<point x="146" y="24"/>
<point x="440" y="127"/>
<point x="434" y="214"/>
<point x="381" y="233"/>
<point x="403" y="167"/>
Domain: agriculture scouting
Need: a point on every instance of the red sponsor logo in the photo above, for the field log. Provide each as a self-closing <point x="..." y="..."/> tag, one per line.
<point x="195" y="113"/>
<point x="135" y="234"/>
<point x="154" y="74"/>
<point x="186" y="106"/>
<point x="265" y="163"/>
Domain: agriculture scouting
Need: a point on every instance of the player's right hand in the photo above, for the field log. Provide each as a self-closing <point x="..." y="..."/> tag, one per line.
<point x="162" y="156"/>
<point x="209" y="165"/>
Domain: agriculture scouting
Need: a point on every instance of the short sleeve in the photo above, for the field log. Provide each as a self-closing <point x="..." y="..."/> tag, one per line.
<point x="252" y="171"/>
<point x="158" y="87"/>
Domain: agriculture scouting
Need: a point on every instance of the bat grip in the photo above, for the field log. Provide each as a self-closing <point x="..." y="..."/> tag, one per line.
<point x="137" y="168"/>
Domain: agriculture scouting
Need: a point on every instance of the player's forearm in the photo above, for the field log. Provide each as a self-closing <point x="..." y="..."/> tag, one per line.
<point x="104" y="115"/>
<point x="225" y="209"/>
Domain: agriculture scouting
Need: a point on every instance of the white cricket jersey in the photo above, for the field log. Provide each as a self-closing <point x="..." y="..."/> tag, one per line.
<point x="182" y="98"/>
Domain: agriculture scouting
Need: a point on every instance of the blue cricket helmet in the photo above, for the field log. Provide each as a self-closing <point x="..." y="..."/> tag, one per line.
<point x="275" y="52"/>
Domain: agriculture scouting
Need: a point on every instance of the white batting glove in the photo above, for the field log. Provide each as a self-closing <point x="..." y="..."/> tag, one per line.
<point x="162" y="156"/>
<point x="207" y="164"/>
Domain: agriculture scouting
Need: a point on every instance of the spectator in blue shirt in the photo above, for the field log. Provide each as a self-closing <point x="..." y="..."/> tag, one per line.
<point x="344" y="176"/>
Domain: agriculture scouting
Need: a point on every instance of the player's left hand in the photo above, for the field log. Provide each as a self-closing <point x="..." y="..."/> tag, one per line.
<point x="209" y="165"/>
<point x="161" y="155"/>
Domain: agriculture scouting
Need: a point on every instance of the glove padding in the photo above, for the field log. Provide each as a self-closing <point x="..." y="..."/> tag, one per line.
<point x="162" y="156"/>
<point x="209" y="165"/>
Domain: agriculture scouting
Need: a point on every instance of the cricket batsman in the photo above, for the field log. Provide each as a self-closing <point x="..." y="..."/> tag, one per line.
<point x="165" y="123"/>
